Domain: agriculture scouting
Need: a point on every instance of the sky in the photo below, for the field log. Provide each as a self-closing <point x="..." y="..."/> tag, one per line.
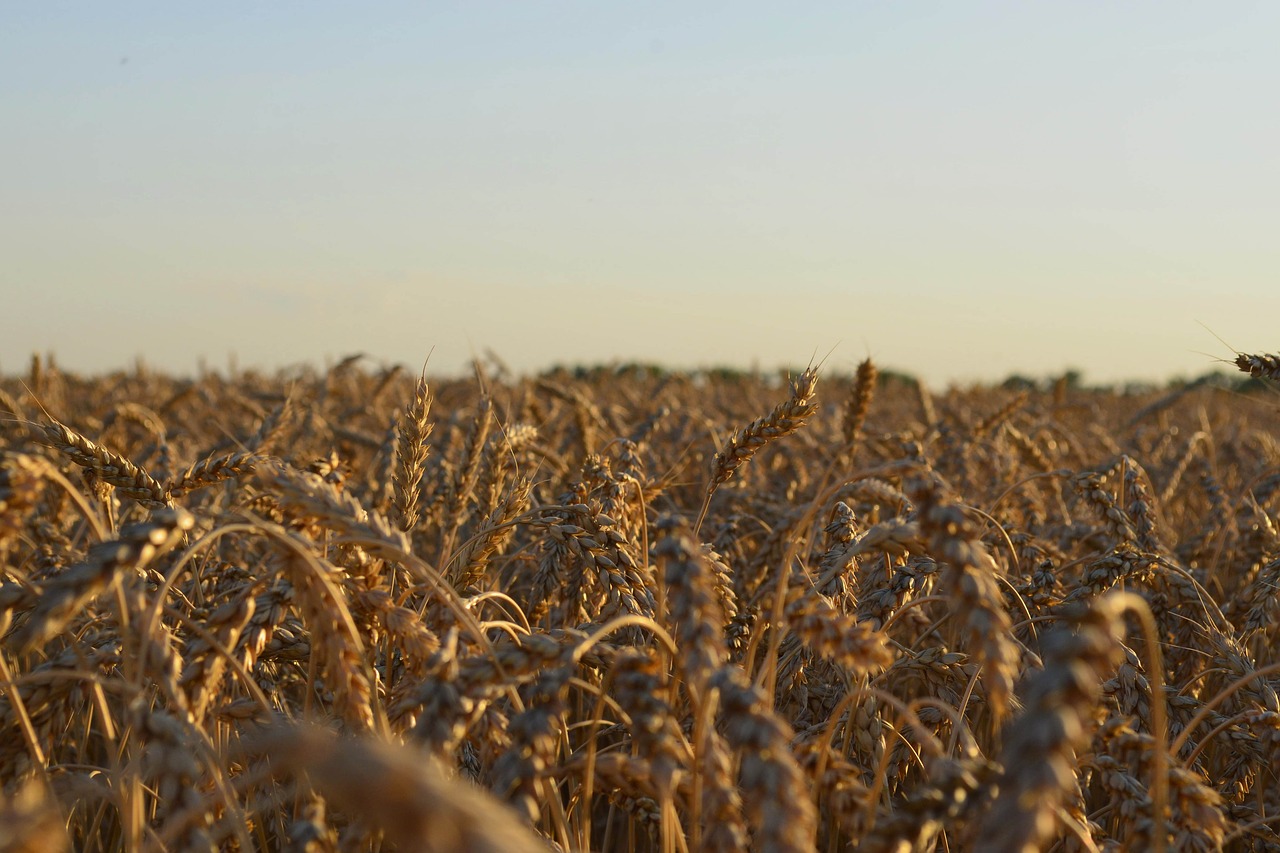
<point x="961" y="191"/>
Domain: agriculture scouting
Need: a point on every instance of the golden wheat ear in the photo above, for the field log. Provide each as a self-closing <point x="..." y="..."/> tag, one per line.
<point x="786" y="418"/>
<point x="396" y="789"/>
<point x="1261" y="366"/>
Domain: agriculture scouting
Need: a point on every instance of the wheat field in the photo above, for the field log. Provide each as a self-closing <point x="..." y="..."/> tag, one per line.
<point x="627" y="609"/>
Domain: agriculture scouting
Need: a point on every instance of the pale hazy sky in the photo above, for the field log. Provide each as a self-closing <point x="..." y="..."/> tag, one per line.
<point x="961" y="189"/>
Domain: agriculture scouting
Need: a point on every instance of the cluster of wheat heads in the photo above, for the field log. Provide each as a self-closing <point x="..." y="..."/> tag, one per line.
<point x="632" y="610"/>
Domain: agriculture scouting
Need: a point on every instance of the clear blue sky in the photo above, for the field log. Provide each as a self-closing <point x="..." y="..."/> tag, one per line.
<point x="963" y="190"/>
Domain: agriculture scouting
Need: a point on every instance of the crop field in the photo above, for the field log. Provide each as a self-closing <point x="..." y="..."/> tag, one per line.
<point x="632" y="610"/>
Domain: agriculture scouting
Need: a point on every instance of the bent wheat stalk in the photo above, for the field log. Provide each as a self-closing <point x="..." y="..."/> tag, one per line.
<point x="786" y="418"/>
